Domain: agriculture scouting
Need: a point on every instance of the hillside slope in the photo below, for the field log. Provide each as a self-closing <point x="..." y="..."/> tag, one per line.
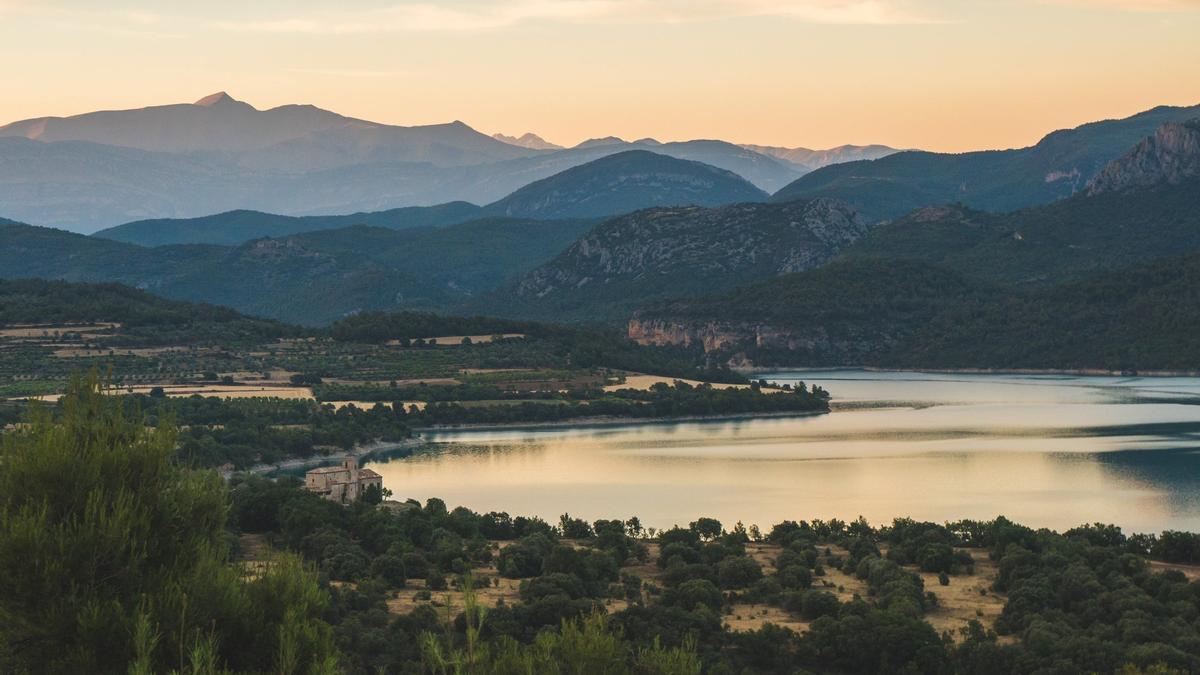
<point x="312" y="278"/>
<point x="144" y="318"/>
<point x="1092" y="281"/>
<point x="909" y="314"/>
<point x="657" y="253"/>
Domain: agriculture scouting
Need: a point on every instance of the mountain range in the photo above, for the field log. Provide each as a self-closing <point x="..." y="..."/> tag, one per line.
<point x="311" y="278"/>
<point x="1106" y="278"/>
<point x="97" y="170"/>
<point x="1058" y="166"/>
<point x="612" y="185"/>
<point x="698" y="255"/>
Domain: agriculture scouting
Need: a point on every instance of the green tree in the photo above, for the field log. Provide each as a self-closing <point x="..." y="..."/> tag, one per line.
<point x="114" y="559"/>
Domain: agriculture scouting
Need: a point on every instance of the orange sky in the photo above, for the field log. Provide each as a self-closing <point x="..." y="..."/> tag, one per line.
<point x="933" y="74"/>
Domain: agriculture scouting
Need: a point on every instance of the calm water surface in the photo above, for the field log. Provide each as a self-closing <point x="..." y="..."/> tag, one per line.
<point x="1043" y="450"/>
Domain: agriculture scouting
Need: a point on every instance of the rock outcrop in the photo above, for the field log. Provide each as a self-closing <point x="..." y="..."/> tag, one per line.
<point x="674" y="252"/>
<point x="1171" y="156"/>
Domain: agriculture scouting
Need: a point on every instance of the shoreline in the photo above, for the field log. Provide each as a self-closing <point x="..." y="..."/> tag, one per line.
<point x="418" y="439"/>
<point x="585" y="422"/>
<point x="316" y="460"/>
<point x="1078" y="372"/>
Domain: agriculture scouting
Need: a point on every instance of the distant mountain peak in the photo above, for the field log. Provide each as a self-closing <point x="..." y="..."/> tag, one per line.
<point x="600" y="142"/>
<point x="219" y="98"/>
<point x="528" y="140"/>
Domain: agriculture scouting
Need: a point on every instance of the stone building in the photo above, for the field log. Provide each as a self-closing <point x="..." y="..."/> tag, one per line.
<point x="342" y="484"/>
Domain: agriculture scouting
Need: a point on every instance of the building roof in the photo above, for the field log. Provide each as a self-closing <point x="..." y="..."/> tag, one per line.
<point x="328" y="469"/>
<point x="367" y="473"/>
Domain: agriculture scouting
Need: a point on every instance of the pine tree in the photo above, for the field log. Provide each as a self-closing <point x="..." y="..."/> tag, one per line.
<point x="114" y="559"/>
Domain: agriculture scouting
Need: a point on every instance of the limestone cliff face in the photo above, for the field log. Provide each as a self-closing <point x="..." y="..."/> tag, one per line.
<point x="1171" y="155"/>
<point x="723" y="336"/>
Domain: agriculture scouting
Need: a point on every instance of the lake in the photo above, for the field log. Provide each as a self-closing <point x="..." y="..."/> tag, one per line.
<point x="1052" y="451"/>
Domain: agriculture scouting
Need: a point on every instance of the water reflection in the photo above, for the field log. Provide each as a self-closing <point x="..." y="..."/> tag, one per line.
<point x="1047" y="451"/>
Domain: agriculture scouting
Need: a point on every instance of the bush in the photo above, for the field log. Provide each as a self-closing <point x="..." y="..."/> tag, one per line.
<point x="696" y="593"/>
<point x="815" y="604"/>
<point x="389" y="568"/>
<point x="738" y="572"/>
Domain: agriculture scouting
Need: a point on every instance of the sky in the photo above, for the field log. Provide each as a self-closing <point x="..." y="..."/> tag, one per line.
<point x="945" y="75"/>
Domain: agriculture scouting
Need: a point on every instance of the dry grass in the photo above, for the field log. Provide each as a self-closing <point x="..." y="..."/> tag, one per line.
<point x="75" y="352"/>
<point x="968" y="597"/>
<point x="508" y="590"/>
<point x="1192" y="572"/>
<point x="958" y="603"/>
<point x="213" y="390"/>
<point x="450" y="340"/>
<point x="746" y="617"/>
<point x="644" y="382"/>
<point x="56" y="331"/>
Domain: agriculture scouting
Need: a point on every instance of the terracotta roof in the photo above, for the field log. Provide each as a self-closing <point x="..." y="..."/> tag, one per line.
<point x="367" y="473"/>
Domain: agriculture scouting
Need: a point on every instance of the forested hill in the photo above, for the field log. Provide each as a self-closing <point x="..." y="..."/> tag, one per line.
<point x="1060" y="165"/>
<point x="144" y="316"/>
<point x="1064" y="240"/>
<point x="898" y="313"/>
<point x="311" y="278"/>
<point x="659" y="253"/>
<point x="1093" y="281"/>
<point x="234" y="227"/>
<point x="625" y="182"/>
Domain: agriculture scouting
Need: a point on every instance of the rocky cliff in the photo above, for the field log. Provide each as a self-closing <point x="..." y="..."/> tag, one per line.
<point x="1171" y="155"/>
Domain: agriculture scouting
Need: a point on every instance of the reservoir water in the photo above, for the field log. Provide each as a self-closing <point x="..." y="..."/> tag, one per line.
<point x="1052" y="451"/>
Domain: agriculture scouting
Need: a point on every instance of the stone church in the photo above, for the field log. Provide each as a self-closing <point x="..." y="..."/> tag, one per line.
<point x="343" y="484"/>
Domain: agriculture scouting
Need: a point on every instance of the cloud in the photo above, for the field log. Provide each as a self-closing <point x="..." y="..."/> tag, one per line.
<point x="124" y="22"/>
<point x="494" y="15"/>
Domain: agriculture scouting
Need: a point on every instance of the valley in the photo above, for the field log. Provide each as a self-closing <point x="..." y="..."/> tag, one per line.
<point x="285" y="390"/>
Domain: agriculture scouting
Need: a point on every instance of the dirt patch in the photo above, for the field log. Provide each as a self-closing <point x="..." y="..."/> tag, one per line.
<point x="751" y="616"/>
<point x="90" y="330"/>
<point x="213" y="390"/>
<point x="968" y="597"/>
<point x="450" y="340"/>
<point x="1192" y="572"/>
<point x="644" y="382"/>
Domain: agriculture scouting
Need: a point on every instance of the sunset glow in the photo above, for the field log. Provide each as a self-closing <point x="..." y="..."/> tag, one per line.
<point x="931" y="74"/>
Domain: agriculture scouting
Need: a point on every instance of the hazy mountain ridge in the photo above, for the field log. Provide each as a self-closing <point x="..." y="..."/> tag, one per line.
<point x="98" y="170"/>
<point x="1058" y="166"/>
<point x="260" y="138"/>
<point x="528" y="140"/>
<point x="811" y="160"/>
<point x="611" y="185"/>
